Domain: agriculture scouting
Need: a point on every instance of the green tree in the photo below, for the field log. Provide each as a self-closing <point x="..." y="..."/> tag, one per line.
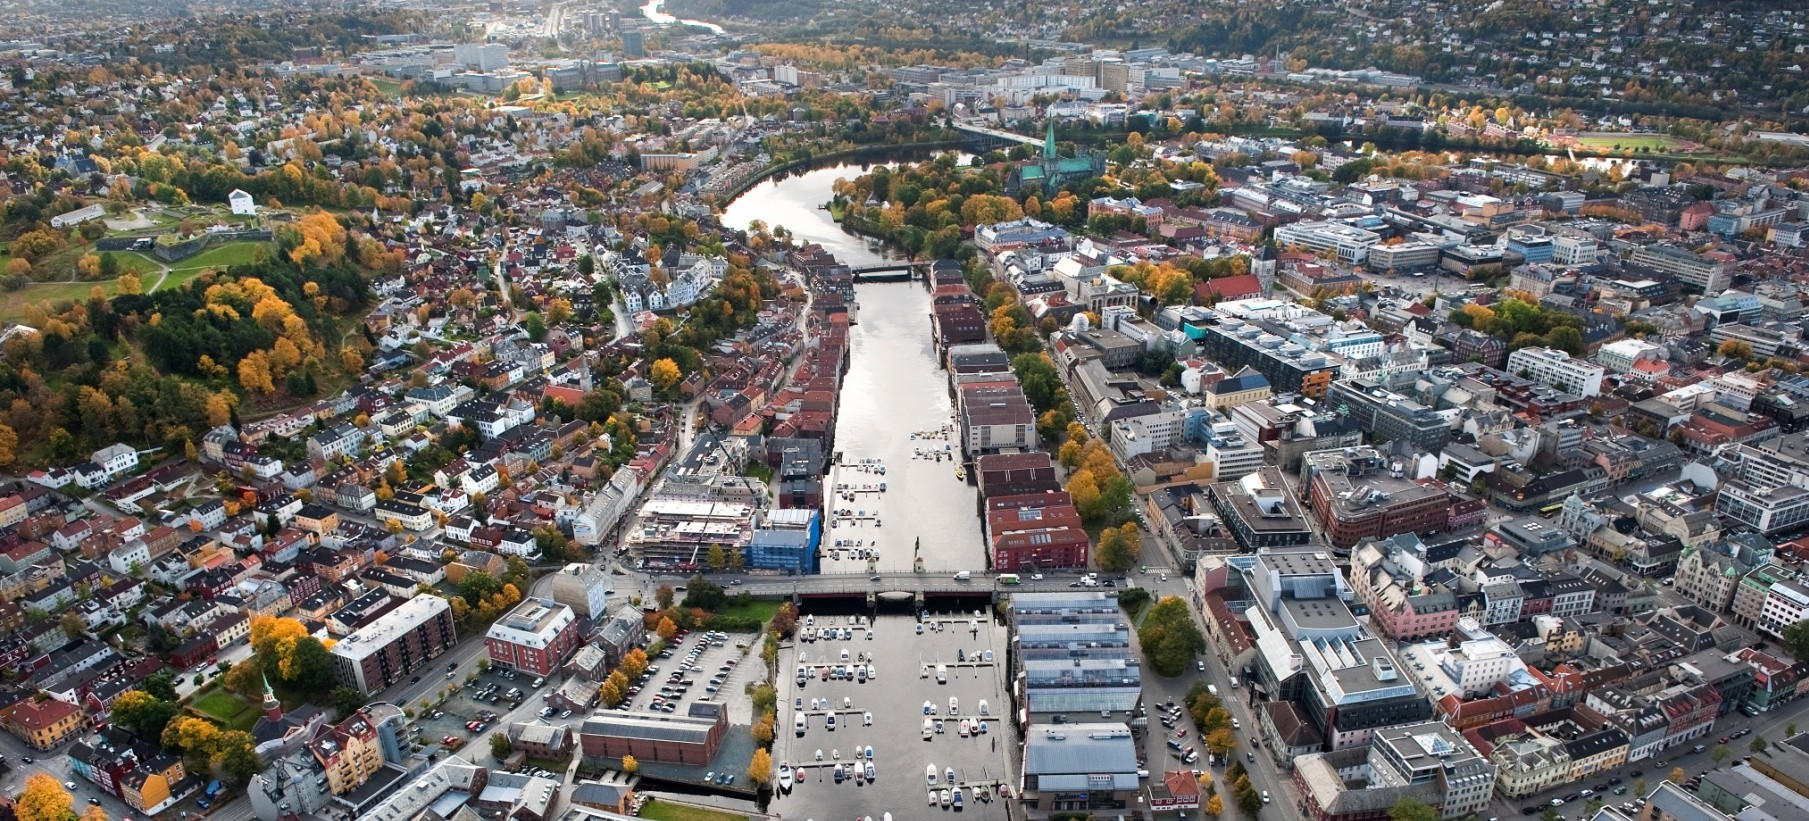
<point x="1719" y="753"/>
<point x="477" y="586"/>
<point x="500" y="746"/>
<point x="161" y="684"/>
<point x="345" y="700"/>
<point x="237" y="757"/>
<point x="1169" y="636"/>
<point x="1412" y="809"/>
<point x="1758" y="744"/>
<point x="142" y="713"/>
<point x="310" y="666"/>
<point x="1796" y="638"/>
<point x="717" y="558"/>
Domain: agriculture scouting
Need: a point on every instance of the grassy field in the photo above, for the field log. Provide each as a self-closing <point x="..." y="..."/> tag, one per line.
<point x="231" y="711"/>
<point x="762" y="609"/>
<point x="389" y="87"/>
<point x="1629" y="142"/>
<point x="663" y="811"/>
<point x="219" y="256"/>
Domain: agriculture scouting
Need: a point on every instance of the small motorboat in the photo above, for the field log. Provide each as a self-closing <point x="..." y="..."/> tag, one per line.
<point x="963" y="728"/>
<point x="872" y="674"/>
<point x="784" y="775"/>
<point x="836" y="754"/>
<point x="984" y="708"/>
<point x="839" y="774"/>
<point x="929" y="709"/>
<point x="948" y="775"/>
<point x="920" y="628"/>
<point x="957" y="797"/>
<point x="929" y="729"/>
<point x="938" y="727"/>
<point x="800" y="725"/>
<point x="932" y="798"/>
<point x="829" y="722"/>
<point x="847" y="703"/>
<point x="942" y="798"/>
<point x="954" y="706"/>
<point x="869" y="752"/>
<point x="866" y="719"/>
<point x="860" y="674"/>
<point x="869" y="771"/>
<point x="980" y="727"/>
<point x="819" y="754"/>
<point x="941" y="674"/>
<point x="929" y="774"/>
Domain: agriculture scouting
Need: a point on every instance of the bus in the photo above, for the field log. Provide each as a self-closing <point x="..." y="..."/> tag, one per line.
<point x="1008" y="578"/>
<point x="1549" y="510"/>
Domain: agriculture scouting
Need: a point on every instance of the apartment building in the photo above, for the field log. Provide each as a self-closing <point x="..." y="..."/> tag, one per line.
<point x="1557" y="370"/>
<point x="1697" y="273"/>
<point x="397" y="644"/>
<point x="535" y="638"/>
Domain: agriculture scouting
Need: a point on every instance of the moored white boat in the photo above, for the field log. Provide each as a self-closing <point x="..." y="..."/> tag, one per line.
<point x="929" y="774"/>
<point x="784" y="775"/>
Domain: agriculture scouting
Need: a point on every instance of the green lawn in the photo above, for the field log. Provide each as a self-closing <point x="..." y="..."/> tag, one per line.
<point x="762" y="609"/>
<point x="663" y="811"/>
<point x="1629" y="142"/>
<point x="219" y="256"/>
<point x="233" y="712"/>
<point x="389" y="87"/>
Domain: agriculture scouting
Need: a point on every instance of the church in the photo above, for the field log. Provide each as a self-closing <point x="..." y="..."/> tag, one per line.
<point x="1052" y="171"/>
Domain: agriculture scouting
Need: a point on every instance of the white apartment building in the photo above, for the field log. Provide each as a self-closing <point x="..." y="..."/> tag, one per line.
<point x="1349" y="242"/>
<point x="1702" y="274"/>
<point x="482" y="56"/>
<point x="1554" y="368"/>
<point x="1619" y="356"/>
<point x="1150" y="433"/>
<point x="1785" y="605"/>
<point x="1575" y="251"/>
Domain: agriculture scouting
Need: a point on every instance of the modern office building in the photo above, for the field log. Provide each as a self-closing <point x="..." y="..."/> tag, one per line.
<point x="1389" y="416"/>
<point x="1697" y="273"/>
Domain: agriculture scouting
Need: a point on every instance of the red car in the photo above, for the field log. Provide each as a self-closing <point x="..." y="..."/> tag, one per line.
<point x="451" y="740"/>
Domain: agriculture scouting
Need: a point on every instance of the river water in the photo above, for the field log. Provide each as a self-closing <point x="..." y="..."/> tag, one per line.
<point x="893" y="389"/>
<point x="651" y="11"/>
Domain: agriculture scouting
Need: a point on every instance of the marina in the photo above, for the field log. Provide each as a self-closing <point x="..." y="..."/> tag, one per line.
<point x="962" y="697"/>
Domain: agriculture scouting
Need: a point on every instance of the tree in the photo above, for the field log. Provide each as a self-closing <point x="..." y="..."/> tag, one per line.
<point x="43" y="799"/>
<point x="1677" y="775"/>
<point x="1215" y="805"/>
<point x="663" y="596"/>
<point x="1119" y="548"/>
<point x="478" y="586"/>
<point x="1758" y="744"/>
<point x="9" y="446"/>
<point x="634" y="663"/>
<point x="1221" y="741"/>
<point x="665" y="375"/>
<point x="1796" y="640"/>
<point x="500" y="746"/>
<point x="345" y="700"/>
<point x="630" y="765"/>
<point x="760" y="769"/>
<point x="1550" y="814"/>
<point x="236" y="755"/>
<point x="142" y="713"/>
<point x="1169" y="636"/>
<point x="666" y="628"/>
<point x="94" y="812"/>
<point x="717" y="558"/>
<point x="310" y="665"/>
<point x="1412" y="809"/>
<point x="246" y="679"/>
<point x="1719" y="753"/>
<point x="72" y="625"/>
<point x="161" y="684"/>
<point x="1639" y="787"/>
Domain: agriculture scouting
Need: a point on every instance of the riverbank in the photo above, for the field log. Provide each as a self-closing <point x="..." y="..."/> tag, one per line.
<point x="836" y="157"/>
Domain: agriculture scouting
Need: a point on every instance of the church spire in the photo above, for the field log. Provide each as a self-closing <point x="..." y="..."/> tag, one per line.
<point x="273" y="709"/>
<point x="1049" y="141"/>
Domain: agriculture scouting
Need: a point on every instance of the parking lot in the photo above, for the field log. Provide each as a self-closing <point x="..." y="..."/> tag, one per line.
<point x="717" y="667"/>
<point x="480" y="708"/>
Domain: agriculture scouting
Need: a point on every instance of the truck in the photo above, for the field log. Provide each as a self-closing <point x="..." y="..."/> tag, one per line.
<point x="1008" y="578"/>
<point x="964" y="576"/>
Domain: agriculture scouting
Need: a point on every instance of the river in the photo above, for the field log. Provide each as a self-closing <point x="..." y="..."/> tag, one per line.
<point x="893" y="389"/>
<point x="651" y="11"/>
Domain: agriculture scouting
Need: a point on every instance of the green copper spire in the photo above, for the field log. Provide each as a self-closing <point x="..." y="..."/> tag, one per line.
<point x="1049" y="141"/>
